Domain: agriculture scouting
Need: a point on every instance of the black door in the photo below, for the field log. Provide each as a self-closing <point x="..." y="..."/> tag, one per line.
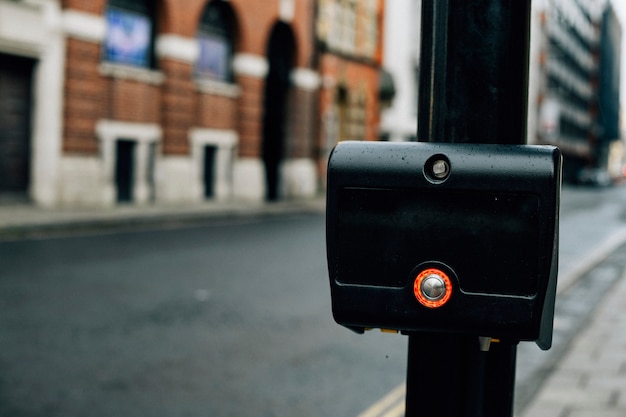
<point x="280" y="53"/>
<point x="15" y="124"/>
<point x="124" y="170"/>
<point x="209" y="171"/>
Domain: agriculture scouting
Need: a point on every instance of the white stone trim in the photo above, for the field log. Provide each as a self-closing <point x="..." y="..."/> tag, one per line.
<point x="15" y="47"/>
<point x="251" y="65"/>
<point x="298" y="178"/>
<point x="113" y="129"/>
<point x="217" y="137"/>
<point x="22" y="29"/>
<point x="145" y="134"/>
<point x="286" y="10"/>
<point x="47" y="135"/>
<point x="249" y="179"/>
<point x="126" y="72"/>
<point x="178" y="48"/>
<point x="85" y="26"/>
<point x="218" y="88"/>
<point x="175" y="180"/>
<point x="226" y="142"/>
<point x="33" y="30"/>
<point x="81" y="182"/>
<point x="306" y="79"/>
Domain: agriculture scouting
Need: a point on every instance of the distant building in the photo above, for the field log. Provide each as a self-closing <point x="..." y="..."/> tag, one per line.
<point x="574" y="80"/>
<point x="401" y="57"/>
<point x="349" y="34"/>
<point x="177" y="101"/>
<point x="609" y="85"/>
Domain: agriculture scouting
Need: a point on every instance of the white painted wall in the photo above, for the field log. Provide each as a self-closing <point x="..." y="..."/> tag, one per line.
<point x="34" y="29"/>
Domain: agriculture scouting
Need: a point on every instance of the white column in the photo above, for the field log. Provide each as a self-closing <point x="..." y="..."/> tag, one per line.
<point x="141" y="188"/>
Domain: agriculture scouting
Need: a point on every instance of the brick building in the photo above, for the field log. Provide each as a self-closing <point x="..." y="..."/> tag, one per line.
<point x="180" y="100"/>
<point x="349" y="40"/>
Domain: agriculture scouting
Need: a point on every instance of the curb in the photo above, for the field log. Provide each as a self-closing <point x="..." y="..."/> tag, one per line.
<point x="27" y="222"/>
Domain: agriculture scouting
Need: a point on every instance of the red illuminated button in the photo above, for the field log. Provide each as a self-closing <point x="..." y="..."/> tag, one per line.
<point x="432" y="288"/>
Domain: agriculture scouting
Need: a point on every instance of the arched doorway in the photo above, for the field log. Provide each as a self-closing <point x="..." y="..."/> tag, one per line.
<point x="280" y="56"/>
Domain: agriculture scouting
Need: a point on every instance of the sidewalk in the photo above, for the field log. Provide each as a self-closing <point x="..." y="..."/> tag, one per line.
<point x="18" y="221"/>
<point x="590" y="380"/>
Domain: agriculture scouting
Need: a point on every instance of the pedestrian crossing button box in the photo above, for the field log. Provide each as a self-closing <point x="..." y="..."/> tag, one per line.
<point x="440" y="237"/>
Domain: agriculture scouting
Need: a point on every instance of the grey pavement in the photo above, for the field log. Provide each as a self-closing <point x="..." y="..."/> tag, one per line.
<point x="590" y="379"/>
<point x="18" y="221"/>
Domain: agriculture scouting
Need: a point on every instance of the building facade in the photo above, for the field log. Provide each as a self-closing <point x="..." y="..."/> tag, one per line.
<point x="349" y="55"/>
<point x="574" y="81"/>
<point x="179" y="100"/>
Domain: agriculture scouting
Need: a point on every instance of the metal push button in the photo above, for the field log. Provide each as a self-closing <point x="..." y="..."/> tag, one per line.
<point x="432" y="288"/>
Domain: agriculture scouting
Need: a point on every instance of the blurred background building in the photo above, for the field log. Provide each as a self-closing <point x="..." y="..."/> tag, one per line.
<point x="574" y="99"/>
<point x="180" y="101"/>
<point x="349" y="37"/>
<point x="183" y="101"/>
<point x="574" y="85"/>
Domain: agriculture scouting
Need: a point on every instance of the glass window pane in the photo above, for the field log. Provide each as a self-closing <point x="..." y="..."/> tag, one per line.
<point x="215" y="38"/>
<point x="128" y="39"/>
<point x="214" y="59"/>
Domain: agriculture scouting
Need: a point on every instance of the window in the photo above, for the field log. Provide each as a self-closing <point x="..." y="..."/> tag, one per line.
<point x="348" y="26"/>
<point x="336" y="25"/>
<point x="369" y="26"/>
<point x="130" y="33"/>
<point x="215" y="38"/>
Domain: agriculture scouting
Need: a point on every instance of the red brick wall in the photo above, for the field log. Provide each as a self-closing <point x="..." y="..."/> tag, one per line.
<point x="88" y="6"/>
<point x="356" y="76"/>
<point x="85" y="97"/>
<point x="132" y="101"/>
<point x="250" y="115"/>
<point x="216" y="112"/>
<point x="302" y="123"/>
<point x="255" y="19"/>
<point x="180" y="16"/>
<point x="177" y="105"/>
<point x="303" y="26"/>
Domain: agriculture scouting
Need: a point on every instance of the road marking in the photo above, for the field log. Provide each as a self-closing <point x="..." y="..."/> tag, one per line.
<point x="397" y="411"/>
<point x="390" y="404"/>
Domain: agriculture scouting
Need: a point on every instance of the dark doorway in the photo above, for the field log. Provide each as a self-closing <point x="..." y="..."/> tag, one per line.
<point x="209" y="171"/>
<point x="124" y="170"/>
<point x="280" y="54"/>
<point x="15" y="125"/>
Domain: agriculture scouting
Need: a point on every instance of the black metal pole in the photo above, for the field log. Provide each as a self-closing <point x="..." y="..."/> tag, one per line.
<point x="473" y="89"/>
<point x="474" y="71"/>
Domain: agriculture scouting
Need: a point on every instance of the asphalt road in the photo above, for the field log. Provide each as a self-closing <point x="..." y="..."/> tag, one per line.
<point x="228" y="319"/>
